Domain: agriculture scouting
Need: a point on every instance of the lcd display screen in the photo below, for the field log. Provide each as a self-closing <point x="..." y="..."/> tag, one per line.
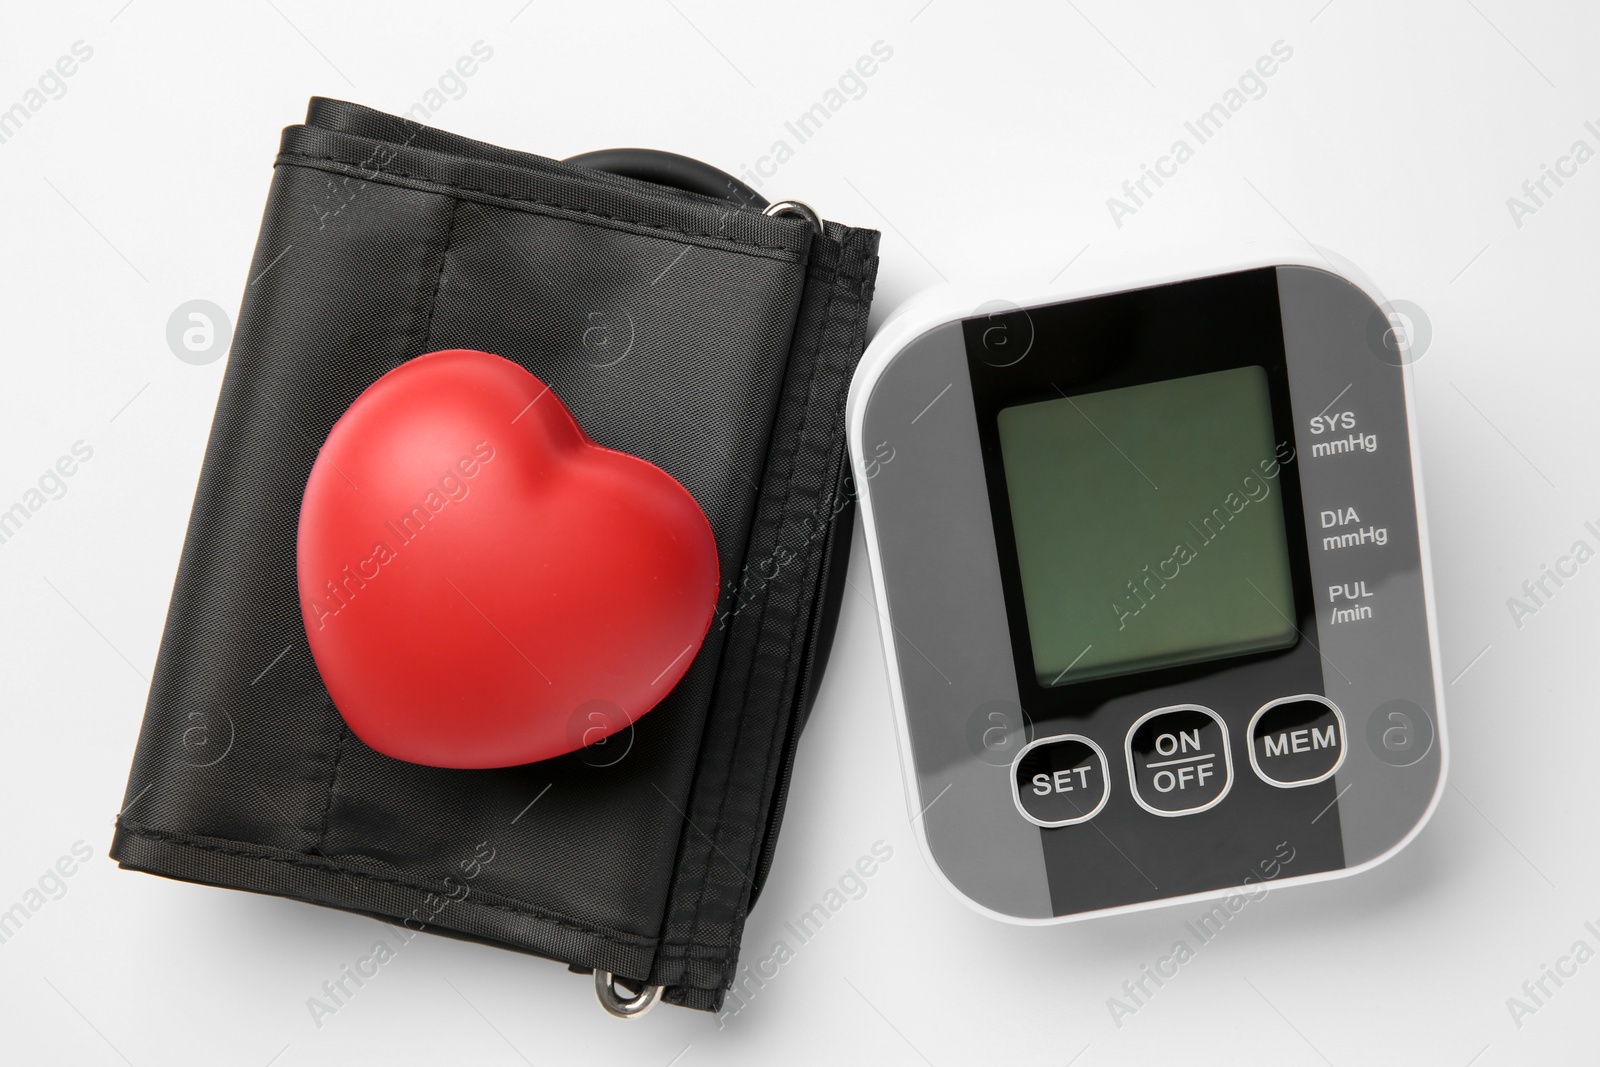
<point x="1149" y="525"/>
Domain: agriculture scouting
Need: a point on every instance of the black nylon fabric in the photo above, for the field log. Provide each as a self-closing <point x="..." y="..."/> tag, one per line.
<point x="714" y="342"/>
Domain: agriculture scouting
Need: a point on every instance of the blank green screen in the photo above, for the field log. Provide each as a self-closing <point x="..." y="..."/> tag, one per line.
<point x="1149" y="525"/>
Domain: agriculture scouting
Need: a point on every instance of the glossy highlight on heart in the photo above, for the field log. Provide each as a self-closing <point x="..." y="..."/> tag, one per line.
<point x="484" y="586"/>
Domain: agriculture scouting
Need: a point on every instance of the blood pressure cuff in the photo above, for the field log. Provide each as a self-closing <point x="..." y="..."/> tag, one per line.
<point x="705" y="337"/>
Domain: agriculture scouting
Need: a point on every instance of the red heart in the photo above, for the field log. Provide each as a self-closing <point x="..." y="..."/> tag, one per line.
<point x="484" y="586"/>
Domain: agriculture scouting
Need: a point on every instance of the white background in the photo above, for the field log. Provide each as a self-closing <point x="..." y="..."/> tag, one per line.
<point x="992" y="138"/>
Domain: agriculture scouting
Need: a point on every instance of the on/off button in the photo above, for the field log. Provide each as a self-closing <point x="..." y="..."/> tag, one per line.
<point x="1178" y="760"/>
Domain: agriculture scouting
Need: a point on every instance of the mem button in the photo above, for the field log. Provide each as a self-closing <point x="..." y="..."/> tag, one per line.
<point x="1178" y="760"/>
<point x="1059" y="781"/>
<point x="1297" y="741"/>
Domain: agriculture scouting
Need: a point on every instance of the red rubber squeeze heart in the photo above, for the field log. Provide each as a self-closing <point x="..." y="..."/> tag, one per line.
<point x="481" y="584"/>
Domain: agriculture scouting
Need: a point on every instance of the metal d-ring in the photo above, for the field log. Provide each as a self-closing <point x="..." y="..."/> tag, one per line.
<point x="797" y="209"/>
<point x="605" y="987"/>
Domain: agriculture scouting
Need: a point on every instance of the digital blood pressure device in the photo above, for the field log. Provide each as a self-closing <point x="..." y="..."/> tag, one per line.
<point x="1152" y="574"/>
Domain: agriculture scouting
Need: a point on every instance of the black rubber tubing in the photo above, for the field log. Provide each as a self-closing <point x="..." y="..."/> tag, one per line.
<point x="671" y="169"/>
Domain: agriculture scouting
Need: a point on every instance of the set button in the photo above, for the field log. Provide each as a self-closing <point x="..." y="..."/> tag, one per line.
<point x="1178" y="760"/>
<point x="1297" y="740"/>
<point x="1060" y="781"/>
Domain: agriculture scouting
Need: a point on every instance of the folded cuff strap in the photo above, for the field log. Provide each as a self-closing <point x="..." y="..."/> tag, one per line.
<point x="707" y="338"/>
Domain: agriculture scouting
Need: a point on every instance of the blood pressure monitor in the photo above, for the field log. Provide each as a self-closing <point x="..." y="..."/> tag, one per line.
<point x="1152" y="573"/>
